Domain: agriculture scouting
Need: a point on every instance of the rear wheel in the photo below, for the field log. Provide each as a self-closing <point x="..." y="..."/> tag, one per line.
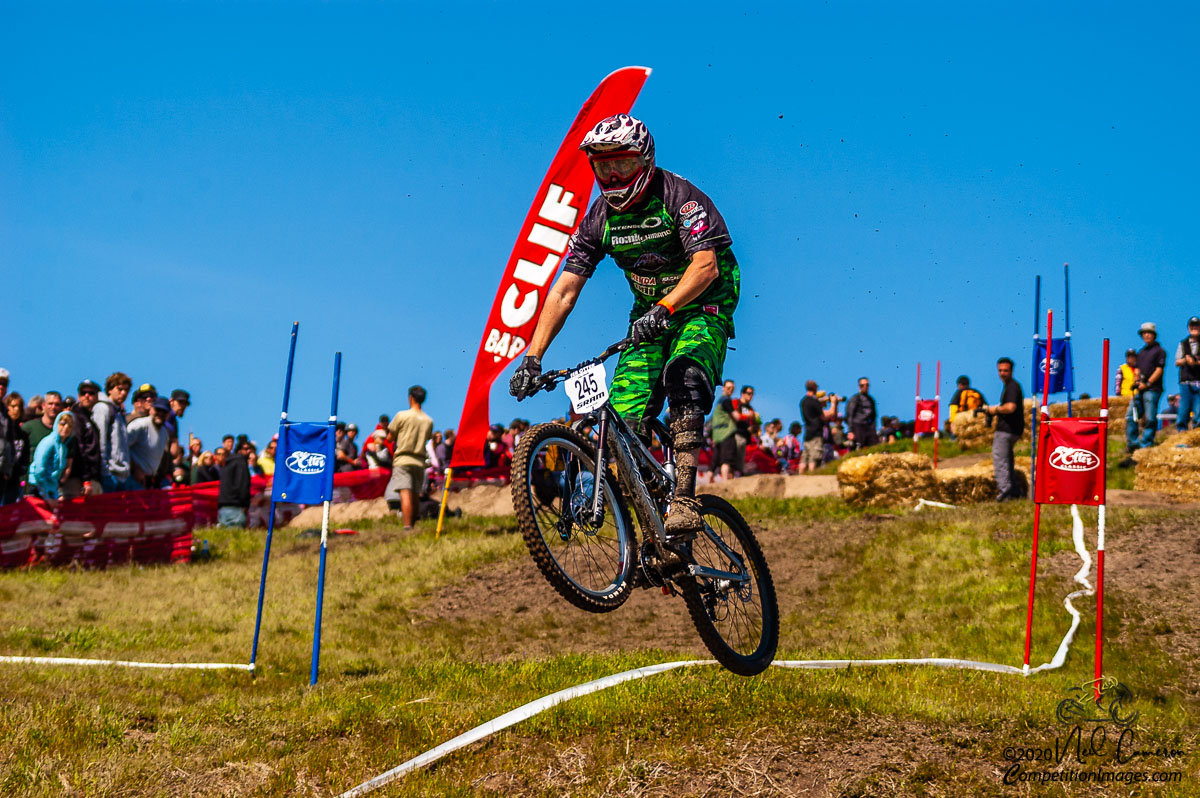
<point x="738" y="619"/>
<point x="590" y="564"/>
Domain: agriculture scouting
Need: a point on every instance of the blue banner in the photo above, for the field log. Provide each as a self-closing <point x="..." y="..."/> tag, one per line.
<point x="1062" y="370"/>
<point x="304" y="463"/>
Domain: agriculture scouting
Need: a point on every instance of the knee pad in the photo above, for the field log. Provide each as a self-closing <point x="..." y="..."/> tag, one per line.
<point x="687" y="386"/>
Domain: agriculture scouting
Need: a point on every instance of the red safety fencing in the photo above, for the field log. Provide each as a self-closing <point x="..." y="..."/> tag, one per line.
<point x="144" y="526"/>
<point x="96" y="531"/>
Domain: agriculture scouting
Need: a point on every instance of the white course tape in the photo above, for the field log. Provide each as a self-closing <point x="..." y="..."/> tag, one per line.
<point x="1060" y="656"/>
<point x="196" y="666"/>
<point x="542" y="704"/>
<point x="937" y="662"/>
<point x="511" y="718"/>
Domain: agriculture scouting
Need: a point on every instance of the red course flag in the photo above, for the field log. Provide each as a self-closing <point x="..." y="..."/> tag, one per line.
<point x="1070" y="462"/>
<point x="927" y="416"/>
<point x="558" y="207"/>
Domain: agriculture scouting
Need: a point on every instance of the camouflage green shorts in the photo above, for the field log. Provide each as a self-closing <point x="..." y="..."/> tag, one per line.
<point x="638" y="389"/>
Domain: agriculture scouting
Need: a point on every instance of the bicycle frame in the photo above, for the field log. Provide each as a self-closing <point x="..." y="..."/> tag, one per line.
<point x="631" y="455"/>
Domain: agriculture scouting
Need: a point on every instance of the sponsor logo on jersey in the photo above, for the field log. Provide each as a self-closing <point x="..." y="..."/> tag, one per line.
<point x="711" y="309"/>
<point x="1068" y="458"/>
<point x="688" y="207"/>
<point x="699" y="227"/>
<point x="637" y="238"/>
<point x="305" y="462"/>
<point x="650" y="262"/>
<point x="643" y="279"/>
<point x="649" y="223"/>
<point x="695" y="217"/>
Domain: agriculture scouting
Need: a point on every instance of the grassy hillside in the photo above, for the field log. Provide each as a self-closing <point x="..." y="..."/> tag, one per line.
<point x="424" y="639"/>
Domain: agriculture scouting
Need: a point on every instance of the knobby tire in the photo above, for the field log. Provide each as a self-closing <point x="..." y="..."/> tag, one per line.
<point x="694" y="593"/>
<point x="526" y="504"/>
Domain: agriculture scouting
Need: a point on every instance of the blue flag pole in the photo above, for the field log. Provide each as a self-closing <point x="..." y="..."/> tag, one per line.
<point x="262" y="584"/>
<point x="1067" y="324"/>
<point x="316" y="652"/>
<point x="1033" y="423"/>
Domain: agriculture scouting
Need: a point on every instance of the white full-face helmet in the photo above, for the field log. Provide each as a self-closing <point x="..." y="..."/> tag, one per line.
<point x="621" y="151"/>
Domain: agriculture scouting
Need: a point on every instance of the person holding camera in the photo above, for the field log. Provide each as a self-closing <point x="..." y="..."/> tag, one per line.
<point x="1187" y="357"/>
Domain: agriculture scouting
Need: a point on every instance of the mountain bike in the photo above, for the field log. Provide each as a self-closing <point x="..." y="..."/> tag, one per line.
<point x="573" y="490"/>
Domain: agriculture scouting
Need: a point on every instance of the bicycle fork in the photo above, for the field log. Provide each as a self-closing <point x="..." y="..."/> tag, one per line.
<point x="598" y="482"/>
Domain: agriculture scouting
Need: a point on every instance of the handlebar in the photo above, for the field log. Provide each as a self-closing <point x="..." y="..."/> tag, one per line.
<point x="550" y="379"/>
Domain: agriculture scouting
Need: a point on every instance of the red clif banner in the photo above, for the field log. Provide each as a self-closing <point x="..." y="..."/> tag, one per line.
<point x="927" y="416"/>
<point x="1071" y="467"/>
<point x="558" y="207"/>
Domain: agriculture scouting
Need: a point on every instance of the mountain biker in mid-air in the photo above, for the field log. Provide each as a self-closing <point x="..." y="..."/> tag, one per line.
<point x="676" y="252"/>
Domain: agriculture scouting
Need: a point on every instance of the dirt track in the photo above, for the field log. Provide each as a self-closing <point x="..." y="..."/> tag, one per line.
<point x="518" y="614"/>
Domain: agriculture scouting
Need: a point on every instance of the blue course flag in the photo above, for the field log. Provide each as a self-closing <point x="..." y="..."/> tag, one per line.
<point x="305" y="461"/>
<point x="1062" y="371"/>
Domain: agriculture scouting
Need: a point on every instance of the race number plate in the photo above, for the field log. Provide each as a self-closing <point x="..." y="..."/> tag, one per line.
<point x="587" y="388"/>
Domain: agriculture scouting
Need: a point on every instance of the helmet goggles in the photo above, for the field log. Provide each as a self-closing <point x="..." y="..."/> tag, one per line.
<point x="617" y="169"/>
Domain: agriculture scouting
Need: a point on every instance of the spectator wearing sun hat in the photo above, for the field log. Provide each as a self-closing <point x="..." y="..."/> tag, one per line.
<point x="1151" y="360"/>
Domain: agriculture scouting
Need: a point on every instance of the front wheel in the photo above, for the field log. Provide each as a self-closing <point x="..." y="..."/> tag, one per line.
<point x="738" y="619"/>
<point x="588" y="561"/>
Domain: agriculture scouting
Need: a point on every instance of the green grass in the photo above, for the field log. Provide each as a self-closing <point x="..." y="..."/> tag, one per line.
<point x="393" y="684"/>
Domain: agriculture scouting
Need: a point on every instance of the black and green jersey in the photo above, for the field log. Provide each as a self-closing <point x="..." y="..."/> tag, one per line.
<point x="653" y="243"/>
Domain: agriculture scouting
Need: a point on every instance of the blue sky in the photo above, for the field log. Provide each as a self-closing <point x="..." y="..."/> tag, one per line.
<point x="179" y="182"/>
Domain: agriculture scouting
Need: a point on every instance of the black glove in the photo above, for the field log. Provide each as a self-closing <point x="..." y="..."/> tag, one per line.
<point x="654" y="323"/>
<point x="525" y="380"/>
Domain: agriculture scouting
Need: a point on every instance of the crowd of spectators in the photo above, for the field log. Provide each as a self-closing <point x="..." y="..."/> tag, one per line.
<point x="55" y="446"/>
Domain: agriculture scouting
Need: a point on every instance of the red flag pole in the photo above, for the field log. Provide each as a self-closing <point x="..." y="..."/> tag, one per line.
<point x="1100" y="526"/>
<point x="917" y="412"/>
<point x="1037" y="508"/>
<point x="937" y="397"/>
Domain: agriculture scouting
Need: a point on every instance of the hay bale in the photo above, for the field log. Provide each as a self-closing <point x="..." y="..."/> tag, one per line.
<point x="977" y="483"/>
<point x="972" y="429"/>
<point x="882" y="480"/>
<point x="1172" y="467"/>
